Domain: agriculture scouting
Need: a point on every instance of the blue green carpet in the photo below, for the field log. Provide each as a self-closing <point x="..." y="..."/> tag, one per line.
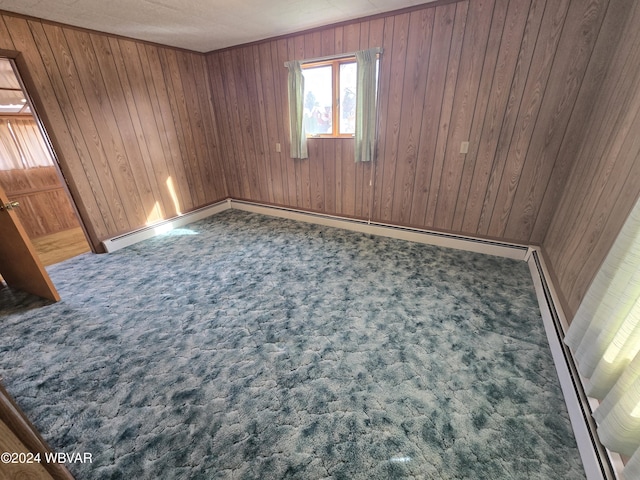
<point x="247" y="347"/>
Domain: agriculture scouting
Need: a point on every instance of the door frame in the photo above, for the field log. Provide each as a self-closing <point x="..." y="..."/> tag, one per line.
<point x="30" y="92"/>
<point x="28" y="435"/>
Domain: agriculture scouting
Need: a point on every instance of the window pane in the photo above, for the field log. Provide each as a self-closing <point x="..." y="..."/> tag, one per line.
<point x="348" y="98"/>
<point x="317" y="100"/>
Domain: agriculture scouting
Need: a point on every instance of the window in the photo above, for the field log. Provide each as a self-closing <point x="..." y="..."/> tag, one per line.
<point x="330" y="97"/>
<point x="334" y="97"/>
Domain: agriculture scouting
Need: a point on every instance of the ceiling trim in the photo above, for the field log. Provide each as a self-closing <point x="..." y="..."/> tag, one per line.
<point x="427" y="4"/>
<point x="367" y="18"/>
<point x="94" y="32"/>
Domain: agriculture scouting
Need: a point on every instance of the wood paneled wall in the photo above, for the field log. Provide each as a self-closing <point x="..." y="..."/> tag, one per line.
<point x="131" y="122"/>
<point x="44" y="204"/>
<point x="503" y="75"/>
<point x="604" y="183"/>
<point x="144" y="132"/>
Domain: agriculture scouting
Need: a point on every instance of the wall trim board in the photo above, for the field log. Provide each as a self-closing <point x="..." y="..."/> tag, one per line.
<point x="599" y="463"/>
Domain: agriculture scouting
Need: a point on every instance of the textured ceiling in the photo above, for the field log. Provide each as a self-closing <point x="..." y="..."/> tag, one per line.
<point x="202" y="25"/>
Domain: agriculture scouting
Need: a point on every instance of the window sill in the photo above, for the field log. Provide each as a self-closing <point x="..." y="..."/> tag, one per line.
<point x="335" y="137"/>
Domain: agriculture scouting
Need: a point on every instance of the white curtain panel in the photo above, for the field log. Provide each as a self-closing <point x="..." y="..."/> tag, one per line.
<point x="298" y="137"/>
<point x="366" y="93"/>
<point x="605" y="339"/>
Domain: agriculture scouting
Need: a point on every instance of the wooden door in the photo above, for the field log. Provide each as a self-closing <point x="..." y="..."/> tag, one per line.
<point x="20" y="266"/>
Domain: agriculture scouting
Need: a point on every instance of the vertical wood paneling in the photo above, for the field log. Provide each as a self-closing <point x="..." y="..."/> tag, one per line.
<point x="229" y="146"/>
<point x="453" y="65"/>
<point x="610" y="34"/>
<point x="237" y="138"/>
<point x="418" y="53"/>
<point x="468" y="175"/>
<point x="132" y="87"/>
<point x="176" y="96"/>
<point x="118" y="126"/>
<point x="202" y="109"/>
<point x="253" y="128"/>
<point x="6" y="42"/>
<point x="198" y="111"/>
<point x="485" y="141"/>
<point x="177" y="184"/>
<point x="105" y="131"/>
<point x="265" y="64"/>
<point x="440" y="43"/>
<point x="313" y="48"/>
<point x="235" y="95"/>
<point x="472" y="59"/>
<point x="264" y="109"/>
<point x="604" y="183"/>
<point x="577" y="42"/>
<point x="395" y="47"/>
<point x="503" y="75"/>
<point x="131" y="123"/>
<point x="131" y="71"/>
<point x="534" y="92"/>
<point x="48" y="80"/>
<point x="507" y="132"/>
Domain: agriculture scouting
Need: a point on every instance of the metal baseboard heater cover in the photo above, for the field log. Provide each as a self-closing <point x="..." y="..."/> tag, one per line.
<point x="116" y="243"/>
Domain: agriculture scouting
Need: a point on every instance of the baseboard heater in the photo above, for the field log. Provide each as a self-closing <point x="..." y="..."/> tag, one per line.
<point x="598" y="462"/>
<point x="460" y="242"/>
<point x="150" y="231"/>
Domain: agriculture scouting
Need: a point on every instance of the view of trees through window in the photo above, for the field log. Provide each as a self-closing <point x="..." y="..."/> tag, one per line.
<point x="330" y="97"/>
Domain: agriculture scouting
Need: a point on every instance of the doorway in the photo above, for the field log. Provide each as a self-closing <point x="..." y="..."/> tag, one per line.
<point x="30" y="176"/>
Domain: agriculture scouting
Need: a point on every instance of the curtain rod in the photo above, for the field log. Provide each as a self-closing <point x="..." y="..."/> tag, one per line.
<point x="377" y="50"/>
